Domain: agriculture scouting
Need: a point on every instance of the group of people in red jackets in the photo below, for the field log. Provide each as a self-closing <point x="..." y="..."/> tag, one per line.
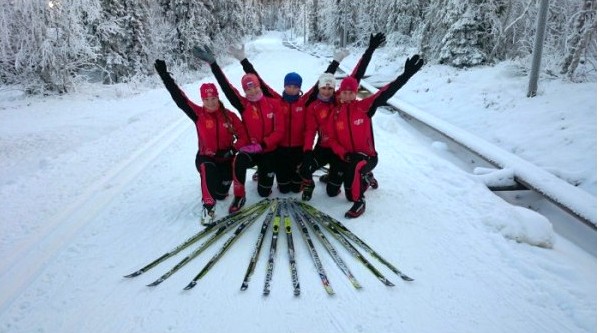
<point x="286" y="135"/>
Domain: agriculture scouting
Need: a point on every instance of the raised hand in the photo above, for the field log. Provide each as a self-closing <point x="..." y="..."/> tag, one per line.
<point x="413" y="65"/>
<point x="237" y="52"/>
<point x="205" y="54"/>
<point x="376" y="40"/>
<point x="160" y="66"/>
<point x="340" y="55"/>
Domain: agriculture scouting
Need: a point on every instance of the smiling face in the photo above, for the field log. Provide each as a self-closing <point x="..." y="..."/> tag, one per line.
<point x="292" y="90"/>
<point x="347" y="96"/>
<point x="326" y="92"/>
<point x="211" y="104"/>
<point x="252" y="92"/>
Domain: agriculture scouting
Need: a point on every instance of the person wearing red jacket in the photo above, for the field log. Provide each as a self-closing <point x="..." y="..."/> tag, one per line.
<point x="351" y="135"/>
<point x="289" y="154"/>
<point x="263" y="122"/>
<point x="220" y="133"/>
<point x="317" y="114"/>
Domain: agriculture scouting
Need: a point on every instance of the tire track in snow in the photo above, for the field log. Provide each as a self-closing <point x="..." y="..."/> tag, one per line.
<point x="27" y="260"/>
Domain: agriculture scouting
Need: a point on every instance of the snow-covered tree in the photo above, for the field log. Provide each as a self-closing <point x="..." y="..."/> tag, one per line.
<point x="46" y="44"/>
<point x="581" y="37"/>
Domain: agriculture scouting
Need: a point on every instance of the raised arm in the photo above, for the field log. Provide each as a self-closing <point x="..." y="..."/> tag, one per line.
<point x="381" y="97"/>
<point x="239" y="54"/>
<point x="176" y="93"/>
<point x="229" y="90"/>
<point x="312" y="93"/>
<point x="375" y="42"/>
<point x="266" y="89"/>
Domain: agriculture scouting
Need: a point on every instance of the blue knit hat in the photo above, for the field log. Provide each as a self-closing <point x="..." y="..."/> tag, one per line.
<point x="293" y="79"/>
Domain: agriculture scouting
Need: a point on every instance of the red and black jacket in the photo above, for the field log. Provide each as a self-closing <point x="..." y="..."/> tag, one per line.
<point x="218" y="131"/>
<point x="318" y="112"/>
<point x="350" y="124"/>
<point x="263" y="119"/>
<point x="294" y="113"/>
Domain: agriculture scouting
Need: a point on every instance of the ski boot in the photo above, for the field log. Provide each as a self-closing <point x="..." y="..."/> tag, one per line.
<point x="308" y="189"/>
<point x="208" y="213"/>
<point x="372" y="181"/>
<point x="356" y="210"/>
<point x="237" y="204"/>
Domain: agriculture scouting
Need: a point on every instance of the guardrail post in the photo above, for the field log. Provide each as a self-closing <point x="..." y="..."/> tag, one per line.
<point x="538" y="50"/>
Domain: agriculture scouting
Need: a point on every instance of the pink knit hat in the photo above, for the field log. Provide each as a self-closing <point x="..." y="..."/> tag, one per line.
<point x="208" y="90"/>
<point x="250" y="81"/>
<point x="349" y="83"/>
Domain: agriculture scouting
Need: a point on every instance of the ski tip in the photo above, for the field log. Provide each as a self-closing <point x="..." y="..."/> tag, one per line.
<point x="406" y="278"/>
<point x="134" y="274"/>
<point x="389" y="283"/>
<point x="190" y="285"/>
<point x="155" y="283"/>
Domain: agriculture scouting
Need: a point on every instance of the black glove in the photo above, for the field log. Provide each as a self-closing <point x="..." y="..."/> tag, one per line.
<point x="376" y="40"/>
<point x="413" y="65"/>
<point x="205" y="54"/>
<point x="160" y="66"/>
<point x="229" y="153"/>
<point x="355" y="157"/>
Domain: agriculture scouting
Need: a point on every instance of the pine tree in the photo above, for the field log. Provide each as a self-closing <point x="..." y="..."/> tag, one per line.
<point x="584" y="26"/>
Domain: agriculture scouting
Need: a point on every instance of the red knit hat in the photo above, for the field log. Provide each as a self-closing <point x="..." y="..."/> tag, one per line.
<point x="208" y="90"/>
<point x="349" y="83"/>
<point x="249" y="81"/>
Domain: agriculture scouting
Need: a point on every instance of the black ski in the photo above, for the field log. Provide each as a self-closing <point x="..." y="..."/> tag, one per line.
<point x="273" y="250"/>
<point x="242" y="226"/>
<point x="353" y="251"/>
<point x="222" y="229"/>
<point x="225" y="220"/>
<point x="330" y="249"/>
<point x="314" y="255"/>
<point x="258" y="246"/>
<point x="353" y="237"/>
<point x="291" y="249"/>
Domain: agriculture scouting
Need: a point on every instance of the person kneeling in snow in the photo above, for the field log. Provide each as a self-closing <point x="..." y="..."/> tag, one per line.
<point x="289" y="154"/>
<point x="263" y="122"/>
<point x="220" y="135"/>
<point x="352" y="139"/>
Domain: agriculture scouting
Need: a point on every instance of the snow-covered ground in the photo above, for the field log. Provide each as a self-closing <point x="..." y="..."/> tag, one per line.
<point x="96" y="184"/>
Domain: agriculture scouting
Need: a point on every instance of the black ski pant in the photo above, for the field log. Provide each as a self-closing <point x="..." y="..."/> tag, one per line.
<point x="265" y="164"/>
<point x="215" y="178"/>
<point x="286" y="164"/>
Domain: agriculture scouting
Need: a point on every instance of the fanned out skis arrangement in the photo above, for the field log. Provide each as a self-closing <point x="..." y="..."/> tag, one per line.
<point x="309" y="220"/>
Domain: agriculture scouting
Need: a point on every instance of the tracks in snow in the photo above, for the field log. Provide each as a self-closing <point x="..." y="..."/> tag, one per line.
<point x="28" y="258"/>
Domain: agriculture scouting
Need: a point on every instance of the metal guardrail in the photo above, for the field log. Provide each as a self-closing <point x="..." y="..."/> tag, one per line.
<point x="574" y="201"/>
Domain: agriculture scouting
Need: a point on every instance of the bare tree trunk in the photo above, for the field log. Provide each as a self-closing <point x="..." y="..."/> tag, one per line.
<point x="586" y="24"/>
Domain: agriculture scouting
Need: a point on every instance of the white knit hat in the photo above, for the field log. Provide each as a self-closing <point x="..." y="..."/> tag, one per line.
<point x="326" y="79"/>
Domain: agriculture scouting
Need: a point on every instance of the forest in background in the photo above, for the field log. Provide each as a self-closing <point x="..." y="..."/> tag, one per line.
<point x="49" y="46"/>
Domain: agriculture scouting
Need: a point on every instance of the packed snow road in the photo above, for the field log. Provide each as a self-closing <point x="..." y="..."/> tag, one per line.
<point x="99" y="186"/>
